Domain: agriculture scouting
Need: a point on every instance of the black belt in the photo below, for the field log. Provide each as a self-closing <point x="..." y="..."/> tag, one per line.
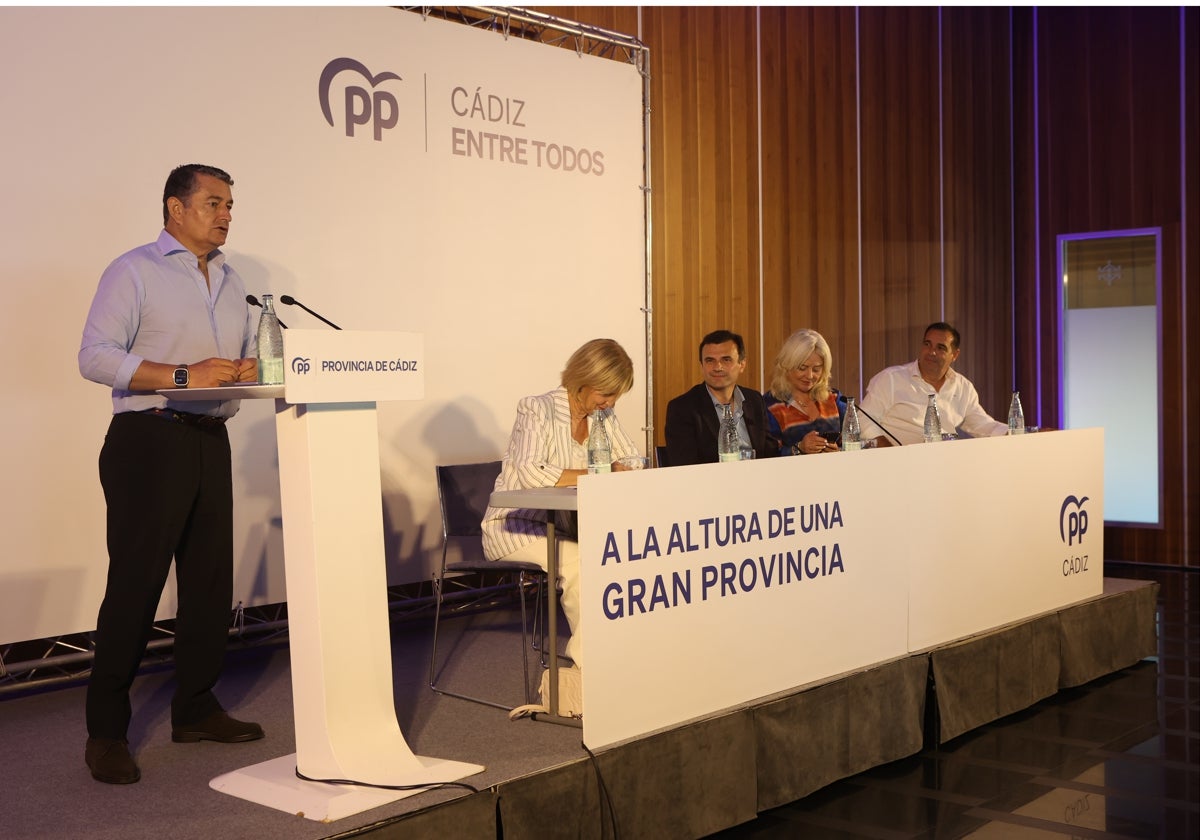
<point x="203" y="421"/>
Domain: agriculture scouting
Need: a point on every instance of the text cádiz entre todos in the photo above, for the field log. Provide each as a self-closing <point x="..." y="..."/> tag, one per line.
<point x="636" y="595"/>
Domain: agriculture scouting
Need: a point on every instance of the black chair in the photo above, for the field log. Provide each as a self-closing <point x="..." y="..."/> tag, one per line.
<point x="660" y="455"/>
<point x="463" y="492"/>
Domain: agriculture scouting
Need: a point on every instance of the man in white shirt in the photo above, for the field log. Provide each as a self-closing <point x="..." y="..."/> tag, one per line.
<point x="897" y="396"/>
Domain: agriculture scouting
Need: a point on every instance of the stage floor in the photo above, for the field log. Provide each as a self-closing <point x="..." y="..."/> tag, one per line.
<point x="50" y="793"/>
<point x="1118" y="757"/>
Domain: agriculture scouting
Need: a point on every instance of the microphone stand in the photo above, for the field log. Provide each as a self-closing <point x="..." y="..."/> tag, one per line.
<point x="877" y="423"/>
<point x="290" y="301"/>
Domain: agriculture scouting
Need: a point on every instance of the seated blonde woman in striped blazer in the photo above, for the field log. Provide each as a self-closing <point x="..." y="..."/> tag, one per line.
<point x="548" y="448"/>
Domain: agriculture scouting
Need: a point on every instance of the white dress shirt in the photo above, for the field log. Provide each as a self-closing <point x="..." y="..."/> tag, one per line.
<point x="154" y="304"/>
<point x="897" y="397"/>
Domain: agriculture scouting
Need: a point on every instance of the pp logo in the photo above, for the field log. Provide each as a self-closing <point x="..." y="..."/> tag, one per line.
<point x="301" y="365"/>
<point x="1072" y="520"/>
<point x="362" y="106"/>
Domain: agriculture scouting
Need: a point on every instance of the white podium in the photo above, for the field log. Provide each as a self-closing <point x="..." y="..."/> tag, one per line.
<point x="331" y="502"/>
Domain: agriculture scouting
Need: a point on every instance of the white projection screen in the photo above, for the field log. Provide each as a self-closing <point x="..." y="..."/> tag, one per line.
<point x="1110" y="333"/>
<point x="485" y="191"/>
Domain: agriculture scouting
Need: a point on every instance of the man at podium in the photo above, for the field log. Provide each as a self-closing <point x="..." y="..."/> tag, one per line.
<point x="159" y="313"/>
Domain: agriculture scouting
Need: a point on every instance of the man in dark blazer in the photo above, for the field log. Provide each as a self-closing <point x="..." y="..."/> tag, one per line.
<point x="694" y="417"/>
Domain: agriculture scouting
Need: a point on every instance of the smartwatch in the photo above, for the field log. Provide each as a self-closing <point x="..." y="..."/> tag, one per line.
<point x="181" y="376"/>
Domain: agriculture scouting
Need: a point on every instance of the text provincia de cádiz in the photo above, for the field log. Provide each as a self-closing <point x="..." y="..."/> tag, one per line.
<point x="664" y="590"/>
<point x="368" y="365"/>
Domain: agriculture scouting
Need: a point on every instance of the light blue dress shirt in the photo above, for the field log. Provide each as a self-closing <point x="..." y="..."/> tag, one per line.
<point x="153" y="304"/>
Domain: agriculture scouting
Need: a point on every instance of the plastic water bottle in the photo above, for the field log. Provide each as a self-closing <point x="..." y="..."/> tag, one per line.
<point x="1016" y="415"/>
<point x="933" y="421"/>
<point x="599" y="446"/>
<point x="729" y="446"/>
<point x="851" y="431"/>
<point x="270" y="345"/>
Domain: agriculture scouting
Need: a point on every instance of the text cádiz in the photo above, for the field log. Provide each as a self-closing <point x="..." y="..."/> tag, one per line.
<point x="717" y="580"/>
<point x="370" y="365"/>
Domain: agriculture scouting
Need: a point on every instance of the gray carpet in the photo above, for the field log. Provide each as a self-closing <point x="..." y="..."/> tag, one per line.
<point x="48" y="792"/>
<point x="687" y="782"/>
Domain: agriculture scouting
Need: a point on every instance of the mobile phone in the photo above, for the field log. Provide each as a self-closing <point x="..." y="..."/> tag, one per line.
<point x="832" y="437"/>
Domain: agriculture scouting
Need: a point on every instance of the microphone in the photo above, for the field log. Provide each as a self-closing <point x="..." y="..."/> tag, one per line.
<point x="253" y="301"/>
<point x="289" y="300"/>
<point x="859" y="407"/>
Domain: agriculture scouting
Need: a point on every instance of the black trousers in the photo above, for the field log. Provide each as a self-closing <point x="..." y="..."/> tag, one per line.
<point x="169" y="491"/>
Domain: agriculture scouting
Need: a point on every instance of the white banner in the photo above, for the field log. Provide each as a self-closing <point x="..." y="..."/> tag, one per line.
<point x="709" y="586"/>
<point x="396" y="174"/>
<point x="712" y="585"/>
<point x="1013" y="527"/>
<point x="322" y="366"/>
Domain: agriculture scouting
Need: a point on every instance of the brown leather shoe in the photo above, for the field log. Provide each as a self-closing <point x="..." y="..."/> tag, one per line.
<point x="217" y="727"/>
<point x="110" y="761"/>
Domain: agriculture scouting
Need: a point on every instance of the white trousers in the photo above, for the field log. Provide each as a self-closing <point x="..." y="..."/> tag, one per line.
<point x="568" y="579"/>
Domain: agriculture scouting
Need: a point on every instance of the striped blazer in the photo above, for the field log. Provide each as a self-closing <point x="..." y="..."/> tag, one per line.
<point x="539" y="449"/>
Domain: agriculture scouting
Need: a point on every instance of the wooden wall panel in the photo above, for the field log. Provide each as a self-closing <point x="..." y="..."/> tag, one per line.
<point x="977" y="202"/>
<point x="1189" y="418"/>
<point x="810" y="183"/>
<point x="1108" y="94"/>
<point x="1152" y="191"/>
<point x="985" y="133"/>
<point x="1033" y="306"/>
<point x="901" y="184"/>
<point x="704" y="154"/>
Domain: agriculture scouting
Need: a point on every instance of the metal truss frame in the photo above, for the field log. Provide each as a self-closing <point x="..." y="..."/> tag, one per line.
<point x="67" y="659"/>
<point x="530" y="25"/>
<point x="39" y="664"/>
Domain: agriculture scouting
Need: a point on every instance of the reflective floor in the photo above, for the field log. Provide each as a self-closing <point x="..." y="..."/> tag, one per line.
<point x="1118" y="757"/>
